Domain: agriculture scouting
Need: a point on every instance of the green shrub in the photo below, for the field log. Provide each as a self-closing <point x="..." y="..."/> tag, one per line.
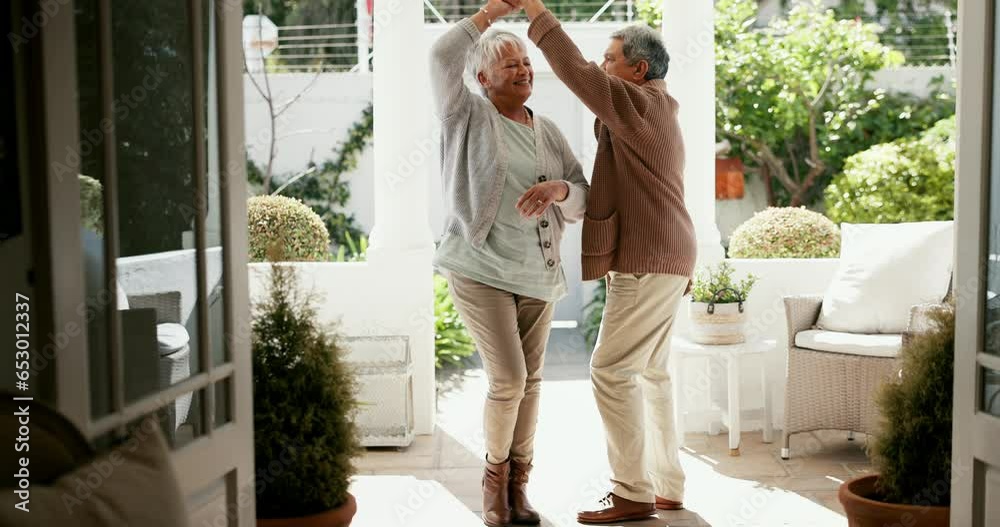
<point x="709" y="282"/>
<point x="906" y="180"/>
<point x="785" y="232"/>
<point x="452" y="342"/>
<point x="913" y="451"/>
<point x="91" y="203"/>
<point x="593" y="313"/>
<point x="286" y="227"/>
<point x="304" y="403"/>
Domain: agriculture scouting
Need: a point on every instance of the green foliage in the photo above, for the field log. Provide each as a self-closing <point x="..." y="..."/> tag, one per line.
<point x="906" y="180"/>
<point x="153" y="128"/>
<point x="784" y="90"/>
<point x="650" y="12"/>
<point x="325" y="190"/>
<point x="359" y="251"/>
<point x="883" y="117"/>
<point x="917" y="26"/>
<point x="304" y="404"/>
<point x="452" y="342"/>
<point x="717" y="285"/>
<point x="593" y="313"/>
<point x="786" y="232"/>
<point x="285" y="228"/>
<point x="913" y="451"/>
<point x="91" y="204"/>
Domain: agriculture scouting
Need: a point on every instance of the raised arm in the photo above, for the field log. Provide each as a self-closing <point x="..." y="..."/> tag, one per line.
<point x="448" y="54"/>
<point x="619" y="104"/>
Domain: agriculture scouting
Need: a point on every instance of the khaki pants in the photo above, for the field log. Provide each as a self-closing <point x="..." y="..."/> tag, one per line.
<point x="511" y="332"/>
<point x="632" y="386"/>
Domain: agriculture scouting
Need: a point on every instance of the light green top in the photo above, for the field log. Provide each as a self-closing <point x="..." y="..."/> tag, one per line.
<point x="511" y="259"/>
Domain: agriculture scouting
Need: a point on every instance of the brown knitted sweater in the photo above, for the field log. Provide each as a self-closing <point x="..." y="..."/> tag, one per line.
<point x="636" y="219"/>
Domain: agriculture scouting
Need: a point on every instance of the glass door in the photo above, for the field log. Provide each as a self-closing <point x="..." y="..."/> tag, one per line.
<point x="149" y="144"/>
<point x="975" y="458"/>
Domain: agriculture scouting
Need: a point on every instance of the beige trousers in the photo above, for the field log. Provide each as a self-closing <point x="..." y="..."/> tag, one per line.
<point x="632" y="386"/>
<point x="511" y="332"/>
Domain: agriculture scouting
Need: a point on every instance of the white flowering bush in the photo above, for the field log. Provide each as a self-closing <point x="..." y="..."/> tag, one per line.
<point x="786" y="232"/>
<point x="285" y="229"/>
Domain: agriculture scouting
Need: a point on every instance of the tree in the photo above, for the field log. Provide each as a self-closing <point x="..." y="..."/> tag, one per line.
<point x="797" y="77"/>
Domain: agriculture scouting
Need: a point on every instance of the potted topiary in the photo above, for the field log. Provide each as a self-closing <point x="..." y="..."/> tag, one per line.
<point x="716" y="309"/>
<point x="785" y="232"/>
<point x="912" y="453"/>
<point x="286" y="226"/>
<point x="304" y="402"/>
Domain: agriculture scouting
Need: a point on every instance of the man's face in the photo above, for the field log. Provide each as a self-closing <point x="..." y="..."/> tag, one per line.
<point x="616" y="65"/>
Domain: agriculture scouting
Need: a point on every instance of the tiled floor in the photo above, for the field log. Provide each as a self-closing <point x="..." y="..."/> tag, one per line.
<point x="441" y="473"/>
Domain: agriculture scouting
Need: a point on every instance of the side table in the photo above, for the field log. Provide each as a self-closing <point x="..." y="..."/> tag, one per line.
<point x="732" y="355"/>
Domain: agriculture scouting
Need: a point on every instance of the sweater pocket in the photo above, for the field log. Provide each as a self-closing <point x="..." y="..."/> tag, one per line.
<point x="600" y="237"/>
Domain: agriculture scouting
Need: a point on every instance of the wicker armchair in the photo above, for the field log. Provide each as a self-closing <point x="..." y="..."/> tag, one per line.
<point x="835" y="391"/>
<point x="174" y="361"/>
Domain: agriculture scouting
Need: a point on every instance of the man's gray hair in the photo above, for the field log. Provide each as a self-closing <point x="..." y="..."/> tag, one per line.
<point x="641" y="42"/>
<point x="487" y="51"/>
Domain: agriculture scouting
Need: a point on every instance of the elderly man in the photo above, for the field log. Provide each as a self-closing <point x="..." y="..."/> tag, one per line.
<point x="638" y="233"/>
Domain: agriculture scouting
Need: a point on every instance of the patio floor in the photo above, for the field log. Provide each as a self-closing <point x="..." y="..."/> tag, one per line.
<point x="437" y="480"/>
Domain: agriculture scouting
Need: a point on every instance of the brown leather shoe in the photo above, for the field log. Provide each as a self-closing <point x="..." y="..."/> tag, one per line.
<point x="664" y="504"/>
<point x="521" y="512"/>
<point x="496" y="508"/>
<point x="616" y="509"/>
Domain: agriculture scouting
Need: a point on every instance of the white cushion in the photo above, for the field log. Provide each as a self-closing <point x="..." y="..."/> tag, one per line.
<point x="880" y="345"/>
<point x="132" y="484"/>
<point x="884" y="271"/>
<point x="122" y="297"/>
<point x="171" y="338"/>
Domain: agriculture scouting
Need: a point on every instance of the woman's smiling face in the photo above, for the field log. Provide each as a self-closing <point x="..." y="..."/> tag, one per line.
<point x="511" y="75"/>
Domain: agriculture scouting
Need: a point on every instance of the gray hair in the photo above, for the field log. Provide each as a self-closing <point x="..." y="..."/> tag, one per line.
<point x="485" y="54"/>
<point x="641" y="42"/>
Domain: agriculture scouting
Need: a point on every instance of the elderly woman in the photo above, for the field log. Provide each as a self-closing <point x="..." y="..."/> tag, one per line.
<point x="511" y="183"/>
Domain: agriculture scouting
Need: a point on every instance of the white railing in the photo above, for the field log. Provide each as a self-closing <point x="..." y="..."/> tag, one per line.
<point x="437" y="11"/>
<point x="347" y="47"/>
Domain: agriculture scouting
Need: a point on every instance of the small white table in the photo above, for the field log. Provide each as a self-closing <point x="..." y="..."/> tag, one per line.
<point x="732" y="354"/>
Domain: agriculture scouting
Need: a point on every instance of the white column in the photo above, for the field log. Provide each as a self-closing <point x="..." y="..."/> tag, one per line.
<point x="402" y="247"/>
<point x="689" y="34"/>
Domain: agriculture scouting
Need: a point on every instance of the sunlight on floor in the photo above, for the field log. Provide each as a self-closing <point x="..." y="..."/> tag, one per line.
<point x="571" y="470"/>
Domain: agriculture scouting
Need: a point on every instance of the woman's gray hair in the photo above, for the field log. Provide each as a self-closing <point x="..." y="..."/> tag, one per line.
<point x="641" y="42"/>
<point x="487" y="51"/>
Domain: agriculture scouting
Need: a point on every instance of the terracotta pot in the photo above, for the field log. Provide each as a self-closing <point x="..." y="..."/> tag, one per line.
<point x="339" y="517"/>
<point x="862" y="510"/>
<point x="729" y="182"/>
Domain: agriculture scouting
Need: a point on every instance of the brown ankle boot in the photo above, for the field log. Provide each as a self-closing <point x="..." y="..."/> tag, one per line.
<point x="496" y="511"/>
<point x="521" y="511"/>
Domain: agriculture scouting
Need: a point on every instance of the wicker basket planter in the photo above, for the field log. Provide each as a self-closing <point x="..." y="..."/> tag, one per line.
<point x="713" y="323"/>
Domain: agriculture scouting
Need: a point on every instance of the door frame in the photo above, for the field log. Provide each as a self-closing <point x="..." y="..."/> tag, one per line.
<point x="978" y="108"/>
<point x="224" y="453"/>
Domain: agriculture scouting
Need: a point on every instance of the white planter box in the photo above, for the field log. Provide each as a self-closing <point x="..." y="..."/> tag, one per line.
<point x="384" y="369"/>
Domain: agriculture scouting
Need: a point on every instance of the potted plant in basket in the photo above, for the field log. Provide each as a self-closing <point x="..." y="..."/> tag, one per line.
<point x="912" y="453"/>
<point x="717" y="305"/>
<point x="304" y="401"/>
